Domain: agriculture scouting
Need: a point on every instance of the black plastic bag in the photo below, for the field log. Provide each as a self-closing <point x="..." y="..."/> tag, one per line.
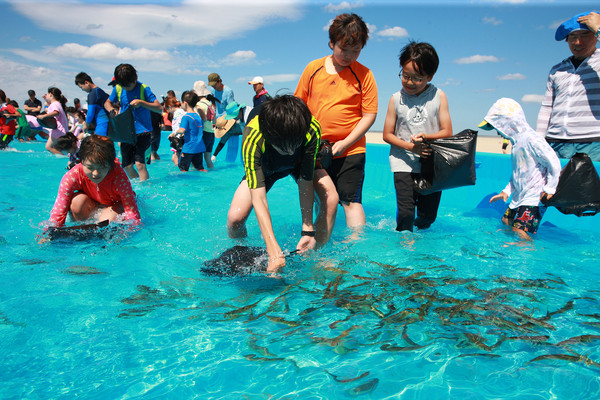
<point x="578" y="190"/>
<point x="451" y="163"/>
<point x="122" y="127"/>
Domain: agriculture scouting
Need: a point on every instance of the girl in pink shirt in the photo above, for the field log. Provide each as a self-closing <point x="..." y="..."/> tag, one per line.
<point x="56" y="108"/>
<point x="97" y="187"/>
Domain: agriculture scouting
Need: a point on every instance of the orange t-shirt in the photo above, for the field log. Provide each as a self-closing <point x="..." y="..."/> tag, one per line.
<point x="339" y="101"/>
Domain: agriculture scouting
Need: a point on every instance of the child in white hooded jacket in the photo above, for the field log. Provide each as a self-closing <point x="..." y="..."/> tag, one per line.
<point x="535" y="167"/>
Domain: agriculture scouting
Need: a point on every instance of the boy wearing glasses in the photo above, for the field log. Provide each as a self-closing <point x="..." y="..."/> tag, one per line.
<point x="417" y="113"/>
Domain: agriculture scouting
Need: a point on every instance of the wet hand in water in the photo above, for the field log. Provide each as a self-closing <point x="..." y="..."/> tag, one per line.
<point x="306" y="243"/>
<point x="276" y="263"/>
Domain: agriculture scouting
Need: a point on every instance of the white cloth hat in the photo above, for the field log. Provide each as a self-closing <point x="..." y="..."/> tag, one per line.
<point x="201" y="89"/>
<point x="256" y="79"/>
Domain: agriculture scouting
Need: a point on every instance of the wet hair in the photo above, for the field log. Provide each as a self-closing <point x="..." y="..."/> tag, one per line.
<point x="57" y="94"/>
<point x="171" y="93"/>
<point x="31" y="92"/>
<point x="82" y="78"/>
<point x="348" y="30"/>
<point x="2" y="96"/>
<point x="98" y="150"/>
<point x="423" y="55"/>
<point x="284" y="121"/>
<point x="65" y="142"/>
<point x="14" y="103"/>
<point x="190" y="97"/>
<point x="212" y="99"/>
<point x="125" y="74"/>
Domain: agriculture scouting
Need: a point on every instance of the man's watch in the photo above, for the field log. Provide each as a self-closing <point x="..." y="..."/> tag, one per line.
<point x="308" y="233"/>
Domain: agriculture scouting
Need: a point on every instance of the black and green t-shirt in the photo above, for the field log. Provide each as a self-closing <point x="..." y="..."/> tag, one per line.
<point x="262" y="161"/>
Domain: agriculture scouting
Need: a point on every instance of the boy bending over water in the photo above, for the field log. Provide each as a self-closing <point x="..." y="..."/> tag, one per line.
<point x="98" y="187"/>
<point x="283" y="140"/>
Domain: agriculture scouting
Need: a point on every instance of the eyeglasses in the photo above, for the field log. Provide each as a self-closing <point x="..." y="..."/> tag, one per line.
<point x="414" y="79"/>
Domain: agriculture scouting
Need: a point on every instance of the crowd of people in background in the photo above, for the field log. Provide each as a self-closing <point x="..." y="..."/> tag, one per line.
<point x="334" y="105"/>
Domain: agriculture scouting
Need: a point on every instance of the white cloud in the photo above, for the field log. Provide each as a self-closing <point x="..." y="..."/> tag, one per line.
<point x="394" y="32"/>
<point x="239" y="57"/>
<point x="192" y="22"/>
<point x="476" y="59"/>
<point x="450" y="82"/>
<point x="108" y="51"/>
<point x="532" y="98"/>
<point x="343" y="6"/>
<point x="492" y="21"/>
<point x="512" y="77"/>
<point x="17" y="78"/>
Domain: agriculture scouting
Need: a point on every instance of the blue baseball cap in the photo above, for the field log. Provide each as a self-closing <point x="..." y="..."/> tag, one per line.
<point x="569" y="26"/>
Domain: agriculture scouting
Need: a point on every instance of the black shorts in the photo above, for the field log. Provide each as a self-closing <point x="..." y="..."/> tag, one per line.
<point x="5" y="140"/>
<point x="348" y="176"/>
<point x="209" y="140"/>
<point x="526" y="218"/>
<point x="131" y="153"/>
<point x="185" y="159"/>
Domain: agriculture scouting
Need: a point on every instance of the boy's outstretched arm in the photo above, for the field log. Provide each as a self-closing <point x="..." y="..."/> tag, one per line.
<point x="306" y="192"/>
<point x="261" y="209"/>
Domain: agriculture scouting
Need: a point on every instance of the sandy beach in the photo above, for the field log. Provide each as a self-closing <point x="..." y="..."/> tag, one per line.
<point x="485" y="144"/>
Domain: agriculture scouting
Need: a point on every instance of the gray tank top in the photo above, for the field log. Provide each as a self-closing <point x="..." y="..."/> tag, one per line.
<point x="414" y="114"/>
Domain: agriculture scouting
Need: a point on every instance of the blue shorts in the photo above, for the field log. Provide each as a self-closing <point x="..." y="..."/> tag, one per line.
<point x="526" y="218"/>
<point x="568" y="149"/>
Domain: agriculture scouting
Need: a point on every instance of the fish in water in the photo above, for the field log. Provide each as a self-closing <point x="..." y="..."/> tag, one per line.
<point x="82" y="270"/>
<point x="365" y="388"/>
<point x="347" y="380"/>
<point x="237" y="261"/>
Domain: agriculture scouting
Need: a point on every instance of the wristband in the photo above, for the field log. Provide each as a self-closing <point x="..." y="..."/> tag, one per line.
<point x="308" y="233"/>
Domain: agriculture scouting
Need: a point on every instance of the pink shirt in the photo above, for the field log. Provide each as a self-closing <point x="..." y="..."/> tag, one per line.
<point x="62" y="123"/>
<point x="115" y="188"/>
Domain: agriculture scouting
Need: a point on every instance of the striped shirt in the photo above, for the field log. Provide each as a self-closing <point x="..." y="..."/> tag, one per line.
<point x="262" y="161"/>
<point x="571" y="107"/>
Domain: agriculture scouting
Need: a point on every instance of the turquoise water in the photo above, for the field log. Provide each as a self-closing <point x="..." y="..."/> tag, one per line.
<point x="460" y="311"/>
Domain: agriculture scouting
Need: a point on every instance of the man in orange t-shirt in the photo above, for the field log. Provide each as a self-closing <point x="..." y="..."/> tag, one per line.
<point x="342" y="94"/>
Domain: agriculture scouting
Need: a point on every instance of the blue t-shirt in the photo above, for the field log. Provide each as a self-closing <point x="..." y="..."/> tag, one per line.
<point x="225" y="97"/>
<point x="193" y="144"/>
<point x="141" y="116"/>
<point x="96" y="113"/>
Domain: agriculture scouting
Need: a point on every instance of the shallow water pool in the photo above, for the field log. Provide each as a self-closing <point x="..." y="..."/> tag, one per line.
<point x="460" y="311"/>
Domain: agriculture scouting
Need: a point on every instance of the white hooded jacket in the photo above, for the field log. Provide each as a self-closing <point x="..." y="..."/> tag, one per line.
<point x="535" y="166"/>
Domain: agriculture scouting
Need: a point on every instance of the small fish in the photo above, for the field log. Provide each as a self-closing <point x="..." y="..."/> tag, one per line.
<point x="566" y="357"/>
<point x="389" y="347"/>
<point x="579" y="339"/>
<point x="252" y="343"/>
<point x="365" y="388"/>
<point x="283" y="321"/>
<point x="309" y="310"/>
<point x="540" y="338"/>
<point x="488" y="355"/>
<point x="254" y="357"/>
<point x="238" y="311"/>
<point x="346" y="380"/>
<point x="477" y="340"/>
<point x="82" y="270"/>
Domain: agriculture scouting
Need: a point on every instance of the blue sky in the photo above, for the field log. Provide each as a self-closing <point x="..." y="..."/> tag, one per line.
<point x="487" y="49"/>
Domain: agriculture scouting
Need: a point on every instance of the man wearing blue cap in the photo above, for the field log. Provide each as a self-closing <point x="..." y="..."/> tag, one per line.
<point x="570" y="112"/>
